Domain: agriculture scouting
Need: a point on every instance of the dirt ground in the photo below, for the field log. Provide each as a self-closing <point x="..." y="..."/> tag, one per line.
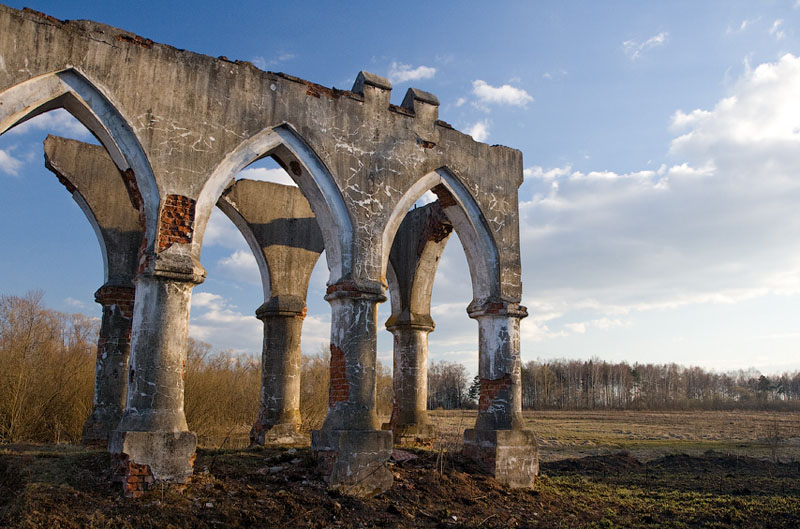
<point x="64" y="486"/>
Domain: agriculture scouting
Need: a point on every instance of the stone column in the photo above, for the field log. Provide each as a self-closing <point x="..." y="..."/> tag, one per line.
<point x="279" y="418"/>
<point x="152" y="443"/>
<point x="350" y="447"/>
<point x="499" y="442"/>
<point x="409" y="420"/>
<point x="111" y="369"/>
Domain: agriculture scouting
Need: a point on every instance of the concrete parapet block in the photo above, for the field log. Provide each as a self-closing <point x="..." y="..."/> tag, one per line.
<point x="411" y="434"/>
<point x="277" y="434"/>
<point x="149" y="459"/>
<point x="353" y="462"/>
<point x="423" y="104"/>
<point x="373" y="88"/>
<point x="510" y="456"/>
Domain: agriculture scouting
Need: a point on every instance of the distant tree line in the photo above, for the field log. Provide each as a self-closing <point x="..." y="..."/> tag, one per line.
<point x="596" y="384"/>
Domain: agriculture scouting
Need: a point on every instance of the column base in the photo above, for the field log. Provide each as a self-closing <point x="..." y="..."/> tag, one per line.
<point x="99" y="426"/>
<point x="510" y="456"/>
<point x="145" y="460"/>
<point x="353" y="462"/>
<point x="411" y="434"/>
<point x="277" y="434"/>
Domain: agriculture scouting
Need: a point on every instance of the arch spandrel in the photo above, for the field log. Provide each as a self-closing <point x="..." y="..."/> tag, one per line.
<point x="73" y="92"/>
<point x="96" y="185"/>
<point x="369" y="146"/>
<point x="312" y="177"/>
<point x="282" y="232"/>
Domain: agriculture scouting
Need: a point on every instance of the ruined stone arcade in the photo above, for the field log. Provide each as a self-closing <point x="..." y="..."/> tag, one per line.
<point x="176" y="127"/>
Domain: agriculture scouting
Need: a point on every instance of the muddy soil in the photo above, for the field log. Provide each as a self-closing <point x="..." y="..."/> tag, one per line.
<point x="63" y="487"/>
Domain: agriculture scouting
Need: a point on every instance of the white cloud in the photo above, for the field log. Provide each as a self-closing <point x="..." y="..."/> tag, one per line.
<point x="501" y="95"/>
<point x="578" y="328"/>
<point x="264" y="174"/>
<point x="260" y="62"/>
<point x="479" y="131"/>
<point x="58" y="122"/>
<point x="634" y="49"/>
<point x="72" y="302"/>
<point x="549" y="174"/>
<point x="216" y="321"/>
<point x="220" y="231"/>
<point x="242" y="266"/>
<point x="9" y="164"/>
<point x="716" y="223"/>
<point x="401" y="73"/>
<point x="460" y="101"/>
<point x="206" y="299"/>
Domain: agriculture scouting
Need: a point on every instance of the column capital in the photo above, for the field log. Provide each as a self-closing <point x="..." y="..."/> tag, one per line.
<point x="495" y="307"/>
<point x="174" y="264"/>
<point x="282" y="305"/>
<point x="356" y="289"/>
<point x="419" y="322"/>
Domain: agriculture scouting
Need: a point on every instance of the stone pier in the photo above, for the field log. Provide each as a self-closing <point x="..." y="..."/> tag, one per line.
<point x="351" y="449"/>
<point x="415" y="254"/>
<point x="96" y="185"/>
<point x="280" y="228"/>
<point x="499" y="442"/>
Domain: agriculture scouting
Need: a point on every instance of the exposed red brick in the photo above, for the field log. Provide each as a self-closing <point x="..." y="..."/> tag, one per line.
<point x="135" y="196"/>
<point x="339" y="389"/>
<point x="177" y="221"/>
<point x="122" y="297"/>
<point x="135" y="478"/>
<point x="42" y="15"/>
<point x="491" y="388"/>
<point x="425" y="144"/>
<point x="446" y="198"/>
<point x="437" y="228"/>
<point x="137" y="40"/>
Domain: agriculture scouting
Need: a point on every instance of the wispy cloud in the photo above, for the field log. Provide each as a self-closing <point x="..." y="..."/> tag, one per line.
<point x="242" y="265"/>
<point x="402" y="73"/>
<point x="9" y="164"/>
<point x="260" y="62"/>
<point x="72" y="302"/>
<point x="500" y="95"/>
<point x="635" y="49"/>
<point x="777" y="29"/>
<point x="58" y="122"/>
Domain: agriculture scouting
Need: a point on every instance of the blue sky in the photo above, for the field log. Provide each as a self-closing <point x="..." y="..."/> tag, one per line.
<point x="661" y="142"/>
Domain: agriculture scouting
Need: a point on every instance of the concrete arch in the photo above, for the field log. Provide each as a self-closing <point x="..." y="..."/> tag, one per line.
<point x="416" y="249"/>
<point x="241" y="224"/>
<point x="312" y="177"/>
<point x="74" y="92"/>
<point x="468" y="222"/>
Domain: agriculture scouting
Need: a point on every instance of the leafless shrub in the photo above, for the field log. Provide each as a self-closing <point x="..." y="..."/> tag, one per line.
<point x="47" y="369"/>
<point x="221" y="394"/>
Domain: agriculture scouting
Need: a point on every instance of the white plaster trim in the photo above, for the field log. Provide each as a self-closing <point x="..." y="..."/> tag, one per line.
<point x="317" y="185"/>
<point x="72" y="91"/>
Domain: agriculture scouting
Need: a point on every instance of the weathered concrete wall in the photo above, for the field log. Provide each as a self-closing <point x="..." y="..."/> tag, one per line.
<point x="97" y="186"/>
<point x="280" y="228"/>
<point x="376" y="154"/>
<point x="179" y="126"/>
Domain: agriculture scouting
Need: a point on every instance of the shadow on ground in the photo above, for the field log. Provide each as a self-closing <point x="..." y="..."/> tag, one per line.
<point x="64" y="487"/>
